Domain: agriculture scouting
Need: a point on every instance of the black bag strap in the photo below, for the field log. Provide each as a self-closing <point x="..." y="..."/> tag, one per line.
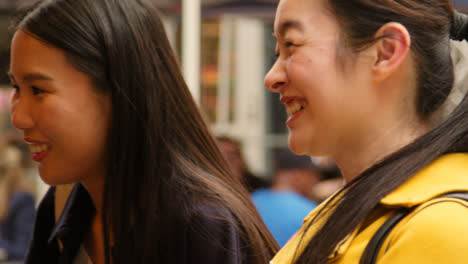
<point x="373" y="246"/>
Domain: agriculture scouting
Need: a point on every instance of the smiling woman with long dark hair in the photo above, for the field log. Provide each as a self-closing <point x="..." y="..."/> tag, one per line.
<point x="362" y="81"/>
<point x="102" y="103"/>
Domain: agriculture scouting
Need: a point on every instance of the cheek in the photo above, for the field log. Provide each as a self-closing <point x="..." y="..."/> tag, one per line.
<point x="301" y="73"/>
<point x="322" y="88"/>
<point x="70" y="124"/>
<point x="315" y="66"/>
<point x="51" y="119"/>
<point x="320" y="58"/>
<point x="78" y="139"/>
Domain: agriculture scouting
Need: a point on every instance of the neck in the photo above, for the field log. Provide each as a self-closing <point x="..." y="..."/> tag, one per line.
<point x="95" y="187"/>
<point x="385" y="140"/>
<point x="95" y="242"/>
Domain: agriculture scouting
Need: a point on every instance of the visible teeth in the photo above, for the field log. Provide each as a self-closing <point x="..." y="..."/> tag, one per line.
<point x="37" y="148"/>
<point x="293" y="108"/>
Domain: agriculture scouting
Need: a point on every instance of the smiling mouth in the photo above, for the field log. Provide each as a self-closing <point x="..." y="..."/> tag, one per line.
<point x="38" y="151"/>
<point x="38" y="148"/>
<point x="294" y="107"/>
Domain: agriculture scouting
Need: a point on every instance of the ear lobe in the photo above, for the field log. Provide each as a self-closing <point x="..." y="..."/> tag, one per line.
<point x="393" y="44"/>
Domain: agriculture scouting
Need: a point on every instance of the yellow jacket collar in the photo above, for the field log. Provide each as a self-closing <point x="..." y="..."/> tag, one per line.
<point x="447" y="174"/>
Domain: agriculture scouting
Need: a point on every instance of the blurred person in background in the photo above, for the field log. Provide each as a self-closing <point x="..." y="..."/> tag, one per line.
<point x="325" y="188"/>
<point x="331" y="181"/>
<point x="232" y="152"/>
<point x="328" y="167"/>
<point x="17" y="205"/>
<point x="285" y="204"/>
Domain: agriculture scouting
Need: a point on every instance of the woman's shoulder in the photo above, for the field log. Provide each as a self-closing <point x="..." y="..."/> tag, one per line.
<point x="435" y="232"/>
<point x="210" y="209"/>
<point x="438" y="216"/>
<point x="208" y="216"/>
<point x="213" y="234"/>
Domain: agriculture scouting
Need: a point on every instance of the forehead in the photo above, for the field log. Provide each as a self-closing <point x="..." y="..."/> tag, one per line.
<point x="302" y="15"/>
<point x="35" y="60"/>
<point x="28" y="53"/>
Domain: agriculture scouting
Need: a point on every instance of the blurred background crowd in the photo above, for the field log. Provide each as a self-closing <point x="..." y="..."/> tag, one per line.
<point x="236" y="48"/>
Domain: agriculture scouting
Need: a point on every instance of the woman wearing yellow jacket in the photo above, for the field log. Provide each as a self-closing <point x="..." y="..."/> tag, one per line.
<point x="363" y="82"/>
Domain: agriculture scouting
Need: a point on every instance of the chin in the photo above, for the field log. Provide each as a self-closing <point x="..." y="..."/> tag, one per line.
<point x="306" y="146"/>
<point x="296" y="146"/>
<point x="53" y="179"/>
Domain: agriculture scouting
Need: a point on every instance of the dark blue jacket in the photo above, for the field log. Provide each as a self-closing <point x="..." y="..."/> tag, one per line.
<point x="219" y="243"/>
<point x="17" y="228"/>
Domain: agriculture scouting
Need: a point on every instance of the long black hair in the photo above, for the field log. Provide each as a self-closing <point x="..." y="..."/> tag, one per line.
<point x="430" y="23"/>
<point x="162" y="158"/>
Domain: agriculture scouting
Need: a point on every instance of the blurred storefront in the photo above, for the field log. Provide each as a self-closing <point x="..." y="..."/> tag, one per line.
<point x="237" y="48"/>
<point x="461" y="5"/>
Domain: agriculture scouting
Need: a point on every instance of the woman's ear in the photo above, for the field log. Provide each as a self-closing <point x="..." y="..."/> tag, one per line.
<point x="391" y="49"/>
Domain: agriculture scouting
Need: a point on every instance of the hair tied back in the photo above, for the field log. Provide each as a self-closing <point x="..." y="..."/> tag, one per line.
<point x="459" y="30"/>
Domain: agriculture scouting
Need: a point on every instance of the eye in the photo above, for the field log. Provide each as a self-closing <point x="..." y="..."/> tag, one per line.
<point x="16" y="90"/>
<point x="15" y="87"/>
<point x="15" y="93"/>
<point x="36" y="90"/>
<point x="277" y="52"/>
<point x="288" y="44"/>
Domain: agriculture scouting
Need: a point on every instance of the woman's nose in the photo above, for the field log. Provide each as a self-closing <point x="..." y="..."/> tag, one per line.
<point x="276" y="78"/>
<point x="20" y="113"/>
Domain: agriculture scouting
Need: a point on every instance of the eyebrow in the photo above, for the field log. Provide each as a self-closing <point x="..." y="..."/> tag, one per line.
<point x="289" y="24"/>
<point x="33" y="76"/>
